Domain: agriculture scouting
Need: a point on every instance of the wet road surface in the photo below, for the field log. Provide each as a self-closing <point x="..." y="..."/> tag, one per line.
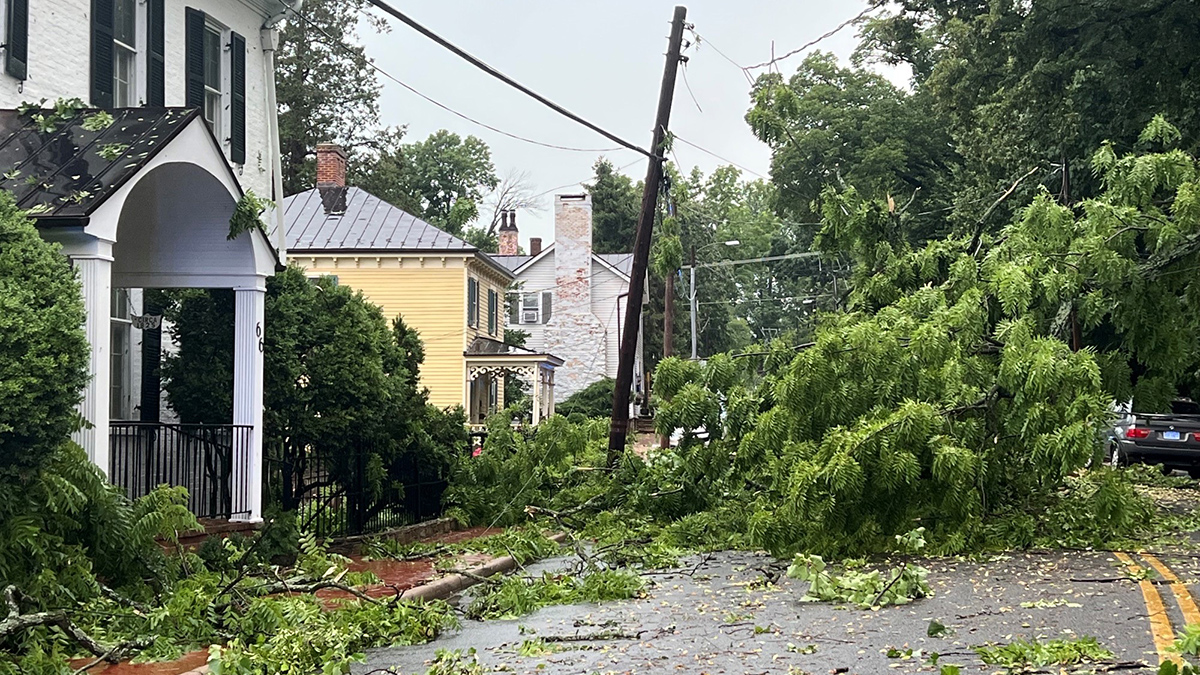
<point x="720" y="616"/>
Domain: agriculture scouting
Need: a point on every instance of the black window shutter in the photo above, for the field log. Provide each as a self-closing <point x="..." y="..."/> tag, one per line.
<point x="102" y="53"/>
<point x="547" y="298"/>
<point x="472" y="302"/>
<point x="194" y="57"/>
<point x="237" y="105"/>
<point x="492" y="319"/>
<point x="156" y="52"/>
<point x="514" y="308"/>
<point x="16" y="50"/>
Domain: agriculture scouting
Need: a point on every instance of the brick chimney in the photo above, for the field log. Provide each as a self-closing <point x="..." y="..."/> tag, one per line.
<point x="535" y="245"/>
<point x="508" y="233"/>
<point x="331" y="165"/>
<point x="574" y="333"/>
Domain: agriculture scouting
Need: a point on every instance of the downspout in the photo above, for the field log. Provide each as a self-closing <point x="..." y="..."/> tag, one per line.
<point x="269" y="38"/>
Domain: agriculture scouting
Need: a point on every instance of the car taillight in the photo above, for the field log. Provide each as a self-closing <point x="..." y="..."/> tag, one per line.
<point x="1196" y="435"/>
<point x="1137" y="432"/>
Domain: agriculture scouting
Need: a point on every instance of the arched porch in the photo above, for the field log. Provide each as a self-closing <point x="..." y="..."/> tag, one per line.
<point x="160" y="220"/>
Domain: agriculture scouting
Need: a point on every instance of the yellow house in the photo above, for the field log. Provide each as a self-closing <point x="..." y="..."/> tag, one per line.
<point x="449" y="291"/>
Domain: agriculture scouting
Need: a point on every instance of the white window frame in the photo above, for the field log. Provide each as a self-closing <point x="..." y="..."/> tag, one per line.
<point x="139" y="47"/>
<point x="536" y="308"/>
<point x="224" y="92"/>
<point x="120" y="406"/>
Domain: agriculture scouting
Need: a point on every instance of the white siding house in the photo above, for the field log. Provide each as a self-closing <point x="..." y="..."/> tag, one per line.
<point x="572" y="305"/>
<point x="138" y="183"/>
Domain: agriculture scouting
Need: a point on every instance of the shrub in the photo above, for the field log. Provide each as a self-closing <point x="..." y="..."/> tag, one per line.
<point x="594" y="400"/>
<point x="338" y="379"/>
<point x="43" y="350"/>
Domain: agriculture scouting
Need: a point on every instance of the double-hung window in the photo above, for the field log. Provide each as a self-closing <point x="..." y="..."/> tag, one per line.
<point x="120" y="373"/>
<point x="127" y="45"/>
<point x="213" y="99"/>
<point x="215" y="65"/>
<point x="124" y="67"/>
<point x="531" y="308"/>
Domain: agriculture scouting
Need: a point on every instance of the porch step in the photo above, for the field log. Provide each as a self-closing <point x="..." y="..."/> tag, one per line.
<point x="219" y="528"/>
<point x="644" y="425"/>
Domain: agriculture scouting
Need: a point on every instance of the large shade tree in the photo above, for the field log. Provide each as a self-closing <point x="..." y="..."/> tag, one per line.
<point x="968" y="376"/>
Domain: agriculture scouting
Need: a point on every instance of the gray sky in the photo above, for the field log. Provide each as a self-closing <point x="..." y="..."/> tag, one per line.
<point x="601" y="60"/>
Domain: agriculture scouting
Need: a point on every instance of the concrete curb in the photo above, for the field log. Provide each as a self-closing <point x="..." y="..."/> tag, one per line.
<point x="439" y="589"/>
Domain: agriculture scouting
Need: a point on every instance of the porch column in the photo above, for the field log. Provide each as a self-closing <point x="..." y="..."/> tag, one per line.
<point x="250" y="305"/>
<point x="536" y="381"/>
<point x="95" y="274"/>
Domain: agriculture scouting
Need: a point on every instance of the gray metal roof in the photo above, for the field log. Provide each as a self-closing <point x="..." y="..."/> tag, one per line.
<point x="367" y="223"/>
<point x="622" y="261"/>
<point x="66" y="170"/>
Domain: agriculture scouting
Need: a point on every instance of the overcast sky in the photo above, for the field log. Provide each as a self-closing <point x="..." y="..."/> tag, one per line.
<point x="601" y="60"/>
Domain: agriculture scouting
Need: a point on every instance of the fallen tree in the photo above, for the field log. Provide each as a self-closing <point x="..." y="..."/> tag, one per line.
<point x="962" y="390"/>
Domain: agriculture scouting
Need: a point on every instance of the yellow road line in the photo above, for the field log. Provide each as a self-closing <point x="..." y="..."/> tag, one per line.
<point x="1160" y="624"/>
<point x="1191" y="614"/>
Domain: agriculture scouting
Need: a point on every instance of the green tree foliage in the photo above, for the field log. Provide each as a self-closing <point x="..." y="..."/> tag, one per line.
<point x="594" y="400"/>
<point x="966" y="379"/>
<point x="77" y="550"/>
<point x="515" y="470"/>
<point x="829" y="125"/>
<point x="337" y="378"/>
<point x="441" y="179"/>
<point x="1021" y="85"/>
<point x="326" y="88"/>
<point x="616" y="202"/>
<point x="43" y="351"/>
<point x="66" y="525"/>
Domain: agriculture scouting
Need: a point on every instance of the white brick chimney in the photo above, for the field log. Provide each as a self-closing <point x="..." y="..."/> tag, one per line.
<point x="573" y="332"/>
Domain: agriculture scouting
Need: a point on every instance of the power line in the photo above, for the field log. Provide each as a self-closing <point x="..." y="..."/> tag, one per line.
<point x="683" y="71"/>
<point x="336" y="43"/>
<point x="404" y="18"/>
<point x="578" y="182"/>
<point x="710" y="152"/>
<point x="811" y="43"/>
<point x="701" y="41"/>
<point x="769" y="258"/>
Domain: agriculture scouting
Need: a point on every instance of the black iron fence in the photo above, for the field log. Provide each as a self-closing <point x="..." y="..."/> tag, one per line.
<point x="199" y="457"/>
<point x="349" y="491"/>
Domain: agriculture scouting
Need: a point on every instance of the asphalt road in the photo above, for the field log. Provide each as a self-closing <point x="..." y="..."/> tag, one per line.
<point x="718" y="616"/>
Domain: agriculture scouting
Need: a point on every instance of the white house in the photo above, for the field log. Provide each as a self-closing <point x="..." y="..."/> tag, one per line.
<point x="569" y="299"/>
<point x="138" y="187"/>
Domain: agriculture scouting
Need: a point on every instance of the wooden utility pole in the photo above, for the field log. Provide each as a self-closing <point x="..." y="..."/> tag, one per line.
<point x="619" y="427"/>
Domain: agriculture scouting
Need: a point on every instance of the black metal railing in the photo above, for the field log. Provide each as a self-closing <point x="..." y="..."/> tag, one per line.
<point x="337" y="493"/>
<point x="199" y="457"/>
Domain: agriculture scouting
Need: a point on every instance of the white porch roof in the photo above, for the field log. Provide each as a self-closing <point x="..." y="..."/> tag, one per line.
<point x="142" y="198"/>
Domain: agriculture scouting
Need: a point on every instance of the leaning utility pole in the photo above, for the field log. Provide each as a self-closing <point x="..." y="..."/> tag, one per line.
<point x="619" y="426"/>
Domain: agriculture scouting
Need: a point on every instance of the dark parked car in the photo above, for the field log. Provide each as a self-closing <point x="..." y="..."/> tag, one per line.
<point x="1171" y="439"/>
